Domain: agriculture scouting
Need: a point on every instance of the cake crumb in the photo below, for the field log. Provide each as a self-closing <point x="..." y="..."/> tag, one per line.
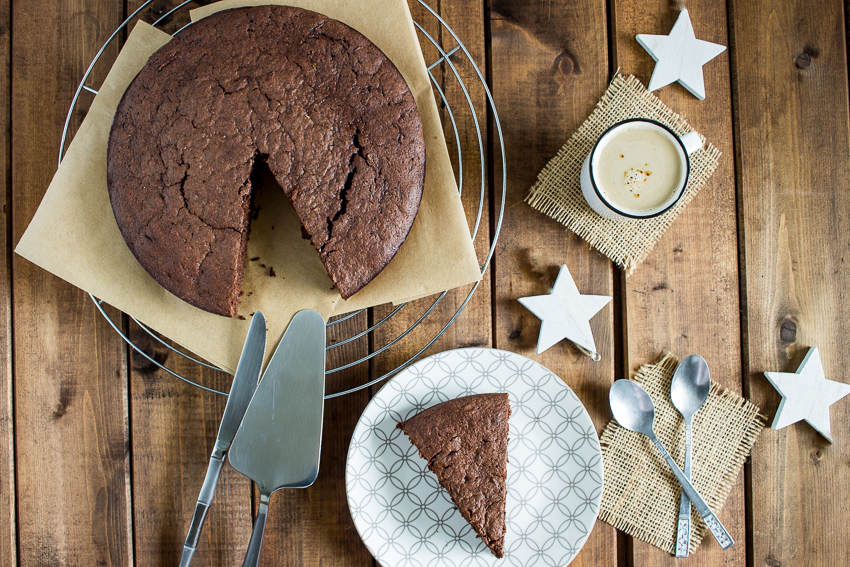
<point x="255" y="258"/>
<point x="271" y="272"/>
<point x="242" y="317"/>
<point x="262" y="265"/>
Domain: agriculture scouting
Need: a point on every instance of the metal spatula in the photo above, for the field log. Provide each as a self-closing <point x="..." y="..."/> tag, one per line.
<point x="279" y="441"/>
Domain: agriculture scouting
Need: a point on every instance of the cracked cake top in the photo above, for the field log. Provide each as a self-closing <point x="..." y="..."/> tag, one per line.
<point x="322" y="106"/>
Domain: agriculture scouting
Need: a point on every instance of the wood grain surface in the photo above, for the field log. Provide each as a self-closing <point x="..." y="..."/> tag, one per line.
<point x="102" y="454"/>
<point x="791" y="126"/>
<point x="693" y="269"/>
<point x="72" y="438"/>
<point x="8" y="535"/>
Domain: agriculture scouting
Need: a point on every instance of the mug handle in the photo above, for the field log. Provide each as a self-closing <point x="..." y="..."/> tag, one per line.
<point x="692" y="142"/>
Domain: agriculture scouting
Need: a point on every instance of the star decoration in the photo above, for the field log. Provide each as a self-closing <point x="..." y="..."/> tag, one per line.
<point x="806" y="394"/>
<point x="679" y="56"/>
<point x="565" y="314"/>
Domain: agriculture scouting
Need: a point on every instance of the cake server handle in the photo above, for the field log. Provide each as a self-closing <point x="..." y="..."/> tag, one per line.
<point x="252" y="556"/>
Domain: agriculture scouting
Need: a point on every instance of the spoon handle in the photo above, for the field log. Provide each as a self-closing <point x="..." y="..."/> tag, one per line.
<point x="711" y="521"/>
<point x="683" y="534"/>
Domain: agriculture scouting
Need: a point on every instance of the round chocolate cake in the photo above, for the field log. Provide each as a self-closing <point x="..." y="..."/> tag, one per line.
<point x="323" y="107"/>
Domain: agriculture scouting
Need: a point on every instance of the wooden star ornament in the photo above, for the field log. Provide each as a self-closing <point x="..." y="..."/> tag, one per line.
<point x="679" y="56"/>
<point x="565" y="314"/>
<point x="806" y="395"/>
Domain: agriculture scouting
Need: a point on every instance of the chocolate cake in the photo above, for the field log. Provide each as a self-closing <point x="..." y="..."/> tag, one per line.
<point x="465" y="442"/>
<point x="322" y="106"/>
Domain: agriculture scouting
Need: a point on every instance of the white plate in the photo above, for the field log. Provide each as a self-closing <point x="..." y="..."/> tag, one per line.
<point x="554" y="467"/>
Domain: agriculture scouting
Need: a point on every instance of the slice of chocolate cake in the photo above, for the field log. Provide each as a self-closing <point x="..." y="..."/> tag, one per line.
<point x="465" y="442"/>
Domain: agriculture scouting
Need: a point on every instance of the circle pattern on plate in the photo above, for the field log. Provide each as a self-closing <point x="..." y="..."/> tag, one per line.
<point x="554" y="467"/>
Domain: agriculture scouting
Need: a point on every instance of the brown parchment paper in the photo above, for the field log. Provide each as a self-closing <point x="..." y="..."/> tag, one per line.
<point x="74" y="235"/>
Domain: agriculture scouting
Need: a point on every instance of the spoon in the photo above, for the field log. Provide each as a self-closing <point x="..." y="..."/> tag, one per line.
<point x="633" y="409"/>
<point x="688" y="391"/>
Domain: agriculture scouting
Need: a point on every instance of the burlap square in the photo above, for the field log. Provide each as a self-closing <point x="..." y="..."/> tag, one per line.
<point x="557" y="192"/>
<point x="640" y="495"/>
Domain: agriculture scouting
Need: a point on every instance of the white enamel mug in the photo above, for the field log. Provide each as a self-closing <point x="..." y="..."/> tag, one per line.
<point x="686" y="145"/>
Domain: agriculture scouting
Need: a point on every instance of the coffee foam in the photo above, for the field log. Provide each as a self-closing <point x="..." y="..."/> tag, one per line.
<point x="639" y="168"/>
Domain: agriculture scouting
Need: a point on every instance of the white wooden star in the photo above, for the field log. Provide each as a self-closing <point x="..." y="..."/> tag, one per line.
<point x="679" y="56"/>
<point x="565" y="313"/>
<point x="806" y="394"/>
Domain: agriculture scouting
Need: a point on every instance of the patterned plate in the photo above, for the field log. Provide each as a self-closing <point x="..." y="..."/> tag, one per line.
<point x="554" y="467"/>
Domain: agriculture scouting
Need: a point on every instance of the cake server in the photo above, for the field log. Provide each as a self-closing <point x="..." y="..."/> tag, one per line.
<point x="688" y="391"/>
<point x="279" y="441"/>
<point x="633" y="409"/>
<point x="244" y="384"/>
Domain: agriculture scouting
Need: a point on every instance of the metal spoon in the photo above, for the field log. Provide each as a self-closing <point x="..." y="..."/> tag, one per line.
<point x="689" y="390"/>
<point x="633" y="409"/>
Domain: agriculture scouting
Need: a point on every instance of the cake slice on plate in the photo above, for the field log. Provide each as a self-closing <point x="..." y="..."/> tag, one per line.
<point x="465" y="442"/>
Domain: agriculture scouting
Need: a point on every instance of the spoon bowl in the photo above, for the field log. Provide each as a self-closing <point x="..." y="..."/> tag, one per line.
<point x="632" y="407"/>
<point x="690" y="385"/>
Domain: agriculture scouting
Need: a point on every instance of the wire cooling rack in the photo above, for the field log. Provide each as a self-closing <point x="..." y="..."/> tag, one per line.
<point x="480" y="123"/>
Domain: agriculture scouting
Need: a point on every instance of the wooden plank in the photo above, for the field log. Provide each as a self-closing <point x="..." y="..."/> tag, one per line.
<point x="174" y="430"/>
<point x="793" y="139"/>
<point x="70" y="368"/>
<point x="313" y="526"/>
<point x="8" y="528"/>
<point x="684" y="298"/>
<point x="549" y="67"/>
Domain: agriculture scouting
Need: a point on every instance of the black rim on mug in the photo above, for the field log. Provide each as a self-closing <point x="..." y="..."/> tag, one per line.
<point x="681" y="189"/>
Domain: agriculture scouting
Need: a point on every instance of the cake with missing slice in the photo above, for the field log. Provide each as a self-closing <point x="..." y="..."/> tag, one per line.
<point x="465" y="442"/>
<point x="314" y="100"/>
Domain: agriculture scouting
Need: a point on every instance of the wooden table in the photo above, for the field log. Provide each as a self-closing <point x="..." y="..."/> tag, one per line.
<point x="102" y="456"/>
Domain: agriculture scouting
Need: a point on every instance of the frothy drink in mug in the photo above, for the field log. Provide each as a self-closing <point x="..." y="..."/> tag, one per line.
<point x="639" y="169"/>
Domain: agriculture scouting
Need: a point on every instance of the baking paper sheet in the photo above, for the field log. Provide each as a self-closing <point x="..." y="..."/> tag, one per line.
<point x="74" y="235"/>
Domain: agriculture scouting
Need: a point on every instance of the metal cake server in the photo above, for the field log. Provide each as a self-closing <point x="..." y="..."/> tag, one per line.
<point x="279" y="441"/>
<point x="633" y="409"/>
<point x="244" y="384"/>
<point x="688" y="391"/>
